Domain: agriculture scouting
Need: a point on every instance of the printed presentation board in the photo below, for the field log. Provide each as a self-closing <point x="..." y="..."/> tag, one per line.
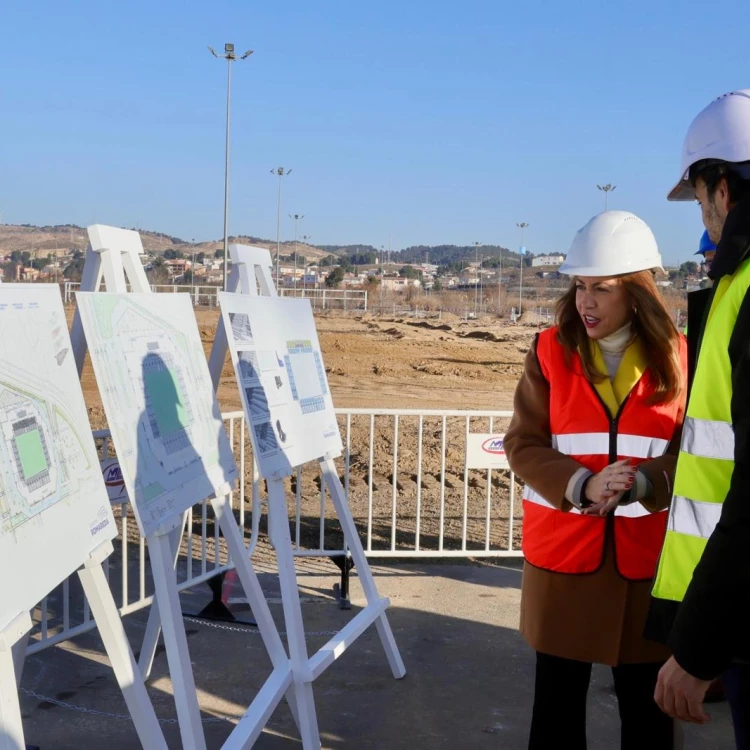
<point x="54" y="510"/>
<point x="280" y="374"/>
<point x="154" y="382"/>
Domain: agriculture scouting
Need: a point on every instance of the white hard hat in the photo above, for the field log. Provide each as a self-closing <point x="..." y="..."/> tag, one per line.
<point x="721" y="132"/>
<point x="611" y="244"/>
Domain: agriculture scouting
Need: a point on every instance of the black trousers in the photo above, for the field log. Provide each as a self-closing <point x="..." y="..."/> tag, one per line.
<point x="559" y="718"/>
<point x="736" y="681"/>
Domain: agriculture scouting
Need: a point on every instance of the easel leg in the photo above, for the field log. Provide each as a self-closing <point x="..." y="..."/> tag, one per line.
<point x="282" y="542"/>
<point x="362" y="565"/>
<point x="19" y="654"/>
<point x="153" y="626"/>
<point x="11" y="725"/>
<point x="175" y="641"/>
<point x="253" y="591"/>
<point x="116" y="644"/>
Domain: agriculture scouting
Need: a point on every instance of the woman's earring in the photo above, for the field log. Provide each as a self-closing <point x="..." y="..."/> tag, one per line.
<point x="635" y="311"/>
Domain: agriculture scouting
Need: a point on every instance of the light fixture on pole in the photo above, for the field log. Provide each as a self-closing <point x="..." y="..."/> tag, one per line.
<point x="606" y="189"/>
<point x="522" y="226"/>
<point x="230" y="57"/>
<point x="296" y="218"/>
<point x="281" y="172"/>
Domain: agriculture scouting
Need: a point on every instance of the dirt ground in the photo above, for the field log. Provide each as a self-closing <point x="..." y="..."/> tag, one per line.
<point x="392" y="362"/>
<point x="398" y="363"/>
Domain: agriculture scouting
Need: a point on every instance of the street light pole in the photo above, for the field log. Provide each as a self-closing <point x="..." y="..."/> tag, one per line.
<point x="296" y="218"/>
<point x="230" y="57"/>
<point x="280" y="172"/>
<point x="500" y="284"/>
<point x="476" y="280"/>
<point x="606" y="189"/>
<point x="306" y="239"/>
<point x="522" y="226"/>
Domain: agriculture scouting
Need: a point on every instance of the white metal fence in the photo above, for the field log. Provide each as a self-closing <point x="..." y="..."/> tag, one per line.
<point x="406" y="479"/>
<point x="320" y="299"/>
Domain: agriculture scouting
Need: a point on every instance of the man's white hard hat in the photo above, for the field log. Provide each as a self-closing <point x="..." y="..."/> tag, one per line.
<point x="721" y="132"/>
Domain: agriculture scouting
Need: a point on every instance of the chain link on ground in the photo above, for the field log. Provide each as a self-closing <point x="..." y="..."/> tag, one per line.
<point x="250" y="630"/>
<point x="108" y="715"/>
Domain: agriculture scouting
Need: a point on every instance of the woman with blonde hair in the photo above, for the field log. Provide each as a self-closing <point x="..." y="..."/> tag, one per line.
<point x="594" y="436"/>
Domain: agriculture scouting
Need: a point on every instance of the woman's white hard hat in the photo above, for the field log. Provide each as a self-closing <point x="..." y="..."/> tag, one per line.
<point x="720" y="132"/>
<point x="611" y="244"/>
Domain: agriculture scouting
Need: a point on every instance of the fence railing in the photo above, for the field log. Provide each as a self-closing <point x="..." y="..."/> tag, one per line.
<point x="410" y="493"/>
<point x="320" y="299"/>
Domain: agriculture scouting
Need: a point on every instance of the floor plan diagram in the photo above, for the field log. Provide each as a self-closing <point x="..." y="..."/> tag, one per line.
<point x="166" y="425"/>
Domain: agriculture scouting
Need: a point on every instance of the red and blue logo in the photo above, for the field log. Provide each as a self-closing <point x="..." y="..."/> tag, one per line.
<point x="494" y="446"/>
<point x="113" y="476"/>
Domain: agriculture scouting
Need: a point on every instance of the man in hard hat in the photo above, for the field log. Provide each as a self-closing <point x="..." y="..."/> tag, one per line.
<point x="706" y="249"/>
<point x="702" y="588"/>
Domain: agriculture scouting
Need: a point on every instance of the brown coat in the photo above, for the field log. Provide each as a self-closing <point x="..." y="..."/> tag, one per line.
<point x="597" y="617"/>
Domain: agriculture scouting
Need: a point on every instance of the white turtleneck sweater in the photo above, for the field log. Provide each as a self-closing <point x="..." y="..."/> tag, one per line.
<point x="613" y="348"/>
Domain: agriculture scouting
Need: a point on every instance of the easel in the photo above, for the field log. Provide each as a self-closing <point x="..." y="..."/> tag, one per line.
<point x="14" y="637"/>
<point x="113" y="253"/>
<point x="305" y="670"/>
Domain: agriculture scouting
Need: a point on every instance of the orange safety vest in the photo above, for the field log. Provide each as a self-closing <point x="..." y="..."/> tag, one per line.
<point x="581" y="427"/>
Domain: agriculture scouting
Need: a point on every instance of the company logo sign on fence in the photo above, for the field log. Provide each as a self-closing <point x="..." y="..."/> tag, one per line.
<point x="113" y="480"/>
<point x="486" y="451"/>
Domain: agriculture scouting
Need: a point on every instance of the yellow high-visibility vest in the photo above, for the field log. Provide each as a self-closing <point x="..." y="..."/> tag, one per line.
<point x="706" y="461"/>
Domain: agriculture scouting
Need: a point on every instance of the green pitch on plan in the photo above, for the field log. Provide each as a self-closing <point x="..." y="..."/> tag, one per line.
<point x="166" y="403"/>
<point x="31" y="451"/>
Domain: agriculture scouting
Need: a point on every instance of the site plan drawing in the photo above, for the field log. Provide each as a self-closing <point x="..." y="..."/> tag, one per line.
<point x="156" y="389"/>
<point x="280" y="373"/>
<point x="54" y="509"/>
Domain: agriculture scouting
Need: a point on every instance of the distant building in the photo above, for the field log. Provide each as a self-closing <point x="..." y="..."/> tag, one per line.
<point x="399" y="284"/>
<point x="548" y="260"/>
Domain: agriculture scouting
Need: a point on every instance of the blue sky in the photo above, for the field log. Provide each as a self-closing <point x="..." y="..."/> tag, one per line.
<point x="440" y="122"/>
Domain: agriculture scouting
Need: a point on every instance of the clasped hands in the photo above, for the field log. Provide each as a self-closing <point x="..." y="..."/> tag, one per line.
<point x="605" y="489"/>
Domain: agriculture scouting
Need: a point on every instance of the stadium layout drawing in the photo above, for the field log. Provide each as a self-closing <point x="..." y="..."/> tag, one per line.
<point x="155" y="386"/>
<point x="54" y="509"/>
<point x="280" y="373"/>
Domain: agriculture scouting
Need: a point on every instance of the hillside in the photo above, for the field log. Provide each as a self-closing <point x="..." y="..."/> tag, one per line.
<point x="40" y="241"/>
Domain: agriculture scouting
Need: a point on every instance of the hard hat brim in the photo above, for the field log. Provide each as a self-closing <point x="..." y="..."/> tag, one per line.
<point x="682" y="191"/>
<point x="596" y="272"/>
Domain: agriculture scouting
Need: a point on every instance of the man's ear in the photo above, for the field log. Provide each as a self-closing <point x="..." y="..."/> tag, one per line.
<point x="722" y="199"/>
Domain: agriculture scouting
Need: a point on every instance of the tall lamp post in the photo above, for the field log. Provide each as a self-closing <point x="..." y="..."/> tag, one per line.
<point x="306" y="239"/>
<point x="281" y="172"/>
<point x="229" y="56"/>
<point x="296" y="218"/>
<point x="606" y="189"/>
<point x="476" y="280"/>
<point x="522" y="226"/>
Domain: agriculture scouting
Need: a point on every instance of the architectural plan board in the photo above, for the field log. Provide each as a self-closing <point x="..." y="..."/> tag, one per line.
<point x="280" y="373"/>
<point x="165" y="422"/>
<point x="54" y="510"/>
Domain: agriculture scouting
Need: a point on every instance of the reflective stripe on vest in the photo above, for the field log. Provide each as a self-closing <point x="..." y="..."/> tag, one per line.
<point x="571" y="541"/>
<point x="597" y="443"/>
<point x="632" y="510"/>
<point x="706" y="461"/>
<point x="708" y="438"/>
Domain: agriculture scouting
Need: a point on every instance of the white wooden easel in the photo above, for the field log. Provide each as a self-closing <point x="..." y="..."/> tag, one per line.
<point x="251" y="271"/>
<point x="113" y="253"/>
<point x="14" y="637"/>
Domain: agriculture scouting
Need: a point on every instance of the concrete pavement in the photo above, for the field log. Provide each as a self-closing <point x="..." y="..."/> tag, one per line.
<point x="469" y="681"/>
